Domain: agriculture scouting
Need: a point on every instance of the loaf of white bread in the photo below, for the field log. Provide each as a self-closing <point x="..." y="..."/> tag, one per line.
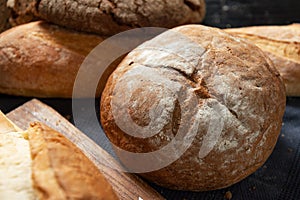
<point x="42" y="164"/>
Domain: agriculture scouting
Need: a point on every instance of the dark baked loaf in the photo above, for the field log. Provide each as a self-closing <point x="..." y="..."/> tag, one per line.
<point x="21" y="11"/>
<point x="199" y="85"/>
<point x="111" y="16"/>
<point x="4" y="16"/>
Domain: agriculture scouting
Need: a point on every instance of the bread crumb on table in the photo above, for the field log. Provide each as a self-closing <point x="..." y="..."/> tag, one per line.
<point x="252" y="188"/>
<point x="228" y="195"/>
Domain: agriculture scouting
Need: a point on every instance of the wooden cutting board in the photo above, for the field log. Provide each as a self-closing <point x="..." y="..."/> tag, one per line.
<point x="127" y="186"/>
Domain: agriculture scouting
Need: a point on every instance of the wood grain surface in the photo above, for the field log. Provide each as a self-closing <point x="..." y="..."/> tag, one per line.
<point x="127" y="186"/>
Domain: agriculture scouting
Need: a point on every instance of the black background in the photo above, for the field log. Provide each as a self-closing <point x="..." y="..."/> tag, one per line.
<point x="279" y="177"/>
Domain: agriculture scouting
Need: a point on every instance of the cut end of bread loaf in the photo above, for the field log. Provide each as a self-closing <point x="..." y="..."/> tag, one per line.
<point x="15" y="167"/>
<point x="41" y="164"/>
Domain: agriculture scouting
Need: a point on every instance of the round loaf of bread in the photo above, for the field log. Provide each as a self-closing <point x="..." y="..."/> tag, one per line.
<point x="205" y="106"/>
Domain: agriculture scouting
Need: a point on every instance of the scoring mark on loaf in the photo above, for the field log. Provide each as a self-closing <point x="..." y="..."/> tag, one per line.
<point x="168" y="94"/>
<point x="187" y="59"/>
<point x="162" y="105"/>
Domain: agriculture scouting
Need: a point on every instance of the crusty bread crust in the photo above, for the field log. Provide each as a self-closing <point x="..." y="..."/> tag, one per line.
<point x="282" y="45"/>
<point x="110" y="17"/>
<point x="61" y="171"/>
<point x="191" y="79"/>
<point x="42" y="60"/>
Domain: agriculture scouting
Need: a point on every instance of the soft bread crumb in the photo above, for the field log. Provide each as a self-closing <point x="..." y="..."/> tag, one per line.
<point x="15" y="168"/>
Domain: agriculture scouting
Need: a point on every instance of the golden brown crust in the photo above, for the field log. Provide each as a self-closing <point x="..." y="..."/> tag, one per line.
<point x="223" y="80"/>
<point x="282" y="44"/>
<point x="61" y="170"/>
<point x="42" y="60"/>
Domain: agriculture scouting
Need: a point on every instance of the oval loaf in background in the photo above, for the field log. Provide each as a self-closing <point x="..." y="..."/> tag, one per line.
<point x="109" y="17"/>
<point x="42" y="60"/>
<point x="200" y="85"/>
<point x="282" y="45"/>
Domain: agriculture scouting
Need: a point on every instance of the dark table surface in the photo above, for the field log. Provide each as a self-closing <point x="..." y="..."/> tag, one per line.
<point x="279" y="177"/>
